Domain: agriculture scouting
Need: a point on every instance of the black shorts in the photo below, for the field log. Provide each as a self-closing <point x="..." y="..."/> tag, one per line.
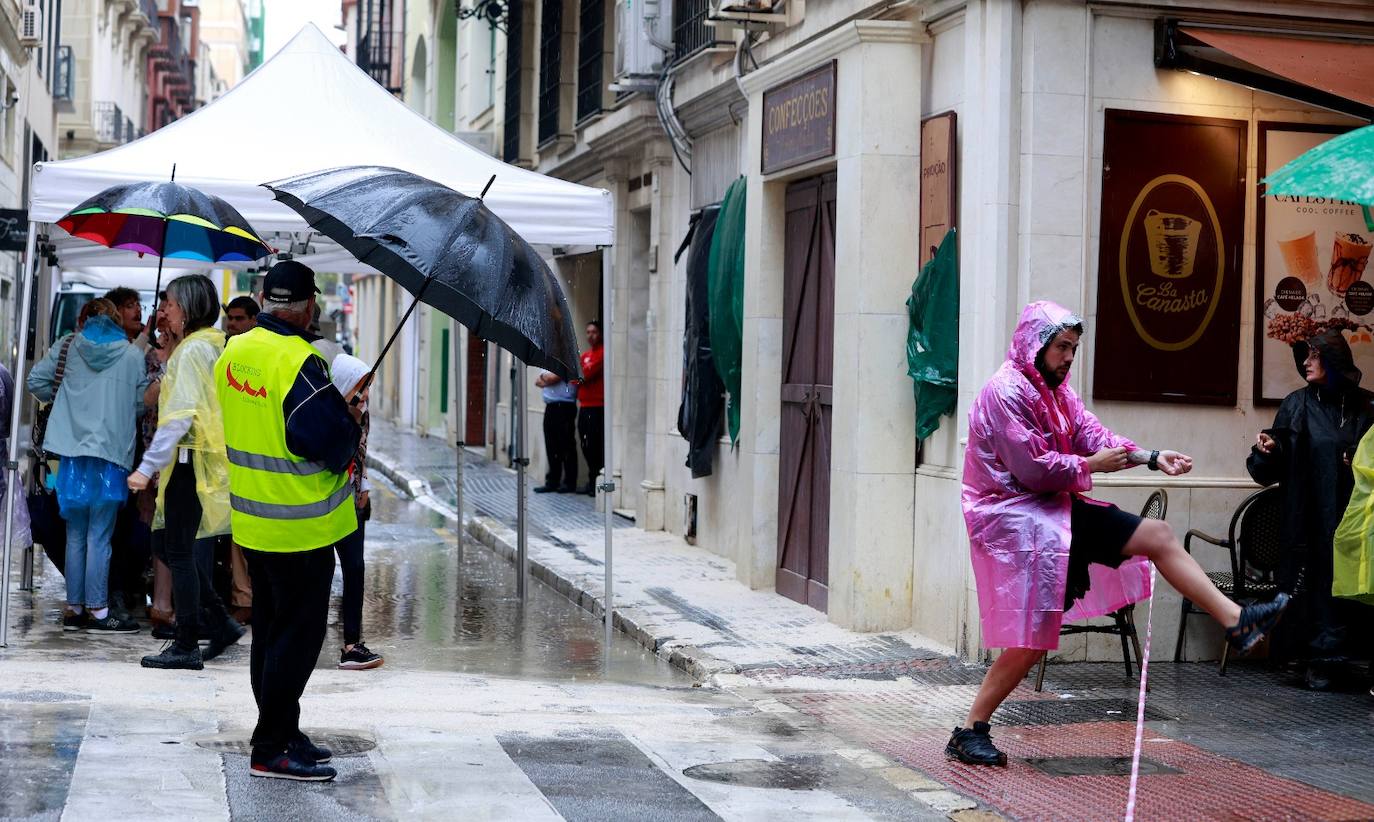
<point x="1100" y="532"/>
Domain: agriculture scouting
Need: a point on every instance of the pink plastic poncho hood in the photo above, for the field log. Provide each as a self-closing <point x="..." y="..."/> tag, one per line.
<point x="1027" y="446"/>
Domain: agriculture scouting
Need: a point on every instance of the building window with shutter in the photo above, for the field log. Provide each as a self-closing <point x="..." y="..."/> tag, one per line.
<point x="591" y="51"/>
<point x="550" y="66"/>
<point x="515" y="21"/>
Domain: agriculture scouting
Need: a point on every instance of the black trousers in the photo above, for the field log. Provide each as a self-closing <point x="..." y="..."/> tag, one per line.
<point x="560" y="441"/>
<point x="290" y="615"/>
<point x="591" y="430"/>
<point x="130" y="548"/>
<point x="350" y="550"/>
<point x="190" y="560"/>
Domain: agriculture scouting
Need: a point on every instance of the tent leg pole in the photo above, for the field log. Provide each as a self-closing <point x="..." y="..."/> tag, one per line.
<point x="608" y="485"/>
<point x="521" y="461"/>
<point x="17" y="403"/>
<point x="459" y="434"/>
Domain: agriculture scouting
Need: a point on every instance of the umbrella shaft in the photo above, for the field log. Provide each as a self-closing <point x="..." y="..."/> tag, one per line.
<point x="402" y="324"/>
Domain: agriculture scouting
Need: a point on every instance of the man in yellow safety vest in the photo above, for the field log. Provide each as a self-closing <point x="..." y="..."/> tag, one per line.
<point x="290" y="437"/>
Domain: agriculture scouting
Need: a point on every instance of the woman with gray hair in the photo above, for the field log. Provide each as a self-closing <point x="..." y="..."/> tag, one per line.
<point x="193" y="494"/>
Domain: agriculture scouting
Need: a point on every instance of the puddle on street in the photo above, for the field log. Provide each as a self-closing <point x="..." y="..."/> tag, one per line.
<point x="423" y="609"/>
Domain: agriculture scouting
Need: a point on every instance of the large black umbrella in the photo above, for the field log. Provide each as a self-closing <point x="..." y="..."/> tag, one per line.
<point x="448" y="250"/>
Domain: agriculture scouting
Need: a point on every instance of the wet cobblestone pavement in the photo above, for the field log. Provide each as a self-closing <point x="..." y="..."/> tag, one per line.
<point x="484" y="710"/>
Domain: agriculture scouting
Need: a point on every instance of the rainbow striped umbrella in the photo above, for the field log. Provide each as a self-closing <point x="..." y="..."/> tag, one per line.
<point x="170" y="220"/>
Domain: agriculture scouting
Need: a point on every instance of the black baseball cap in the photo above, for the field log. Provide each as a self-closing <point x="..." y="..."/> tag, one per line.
<point x="289" y="281"/>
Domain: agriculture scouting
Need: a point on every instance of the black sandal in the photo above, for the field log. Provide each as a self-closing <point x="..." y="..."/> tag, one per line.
<point x="1256" y="620"/>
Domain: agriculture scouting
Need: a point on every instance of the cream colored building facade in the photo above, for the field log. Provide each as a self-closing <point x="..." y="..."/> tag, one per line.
<point x="1030" y="83"/>
<point x="109" y="44"/>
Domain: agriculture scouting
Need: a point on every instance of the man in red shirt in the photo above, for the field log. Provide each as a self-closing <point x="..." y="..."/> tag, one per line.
<point x="591" y="416"/>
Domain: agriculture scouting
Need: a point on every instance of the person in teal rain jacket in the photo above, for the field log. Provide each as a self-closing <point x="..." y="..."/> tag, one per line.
<point x="91" y="427"/>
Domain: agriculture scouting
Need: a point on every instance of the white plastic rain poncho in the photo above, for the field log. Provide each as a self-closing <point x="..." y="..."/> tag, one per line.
<point x="1027" y="445"/>
<point x="188" y="391"/>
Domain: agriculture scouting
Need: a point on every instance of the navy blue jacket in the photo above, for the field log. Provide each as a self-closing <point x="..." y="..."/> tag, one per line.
<point x="318" y="425"/>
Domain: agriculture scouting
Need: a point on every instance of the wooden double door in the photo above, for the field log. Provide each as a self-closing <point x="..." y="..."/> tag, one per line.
<point x="808" y="355"/>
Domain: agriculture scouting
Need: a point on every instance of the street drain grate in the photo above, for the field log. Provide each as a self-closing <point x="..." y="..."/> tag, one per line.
<point x="1072" y="712"/>
<point x="759" y="773"/>
<point x="340" y="744"/>
<point x="1097" y="766"/>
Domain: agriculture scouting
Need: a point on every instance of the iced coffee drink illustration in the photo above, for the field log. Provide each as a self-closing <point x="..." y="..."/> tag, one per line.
<point x="1173" y="242"/>
<point x="1349" y="256"/>
<point x="1299" y="252"/>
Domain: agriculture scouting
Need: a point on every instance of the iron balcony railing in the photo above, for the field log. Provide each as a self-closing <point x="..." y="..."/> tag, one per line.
<point x="690" y="32"/>
<point x="376" y="42"/>
<point x="591" y="50"/>
<point x="107" y="121"/>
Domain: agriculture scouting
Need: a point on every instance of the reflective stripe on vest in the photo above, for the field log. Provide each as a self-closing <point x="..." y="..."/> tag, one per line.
<point x="274" y="510"/>
<point x="278" y="500"/>
<point x="276" y="465"/>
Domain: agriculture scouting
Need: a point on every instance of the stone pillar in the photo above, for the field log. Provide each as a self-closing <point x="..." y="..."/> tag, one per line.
<point x="662" y="392"/>
<point x="872" y="477"/>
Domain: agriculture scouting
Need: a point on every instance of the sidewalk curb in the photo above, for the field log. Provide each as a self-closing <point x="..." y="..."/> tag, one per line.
<point x="583" y="589"/>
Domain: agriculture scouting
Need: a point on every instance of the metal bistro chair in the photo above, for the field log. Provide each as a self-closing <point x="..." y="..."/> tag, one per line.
<point x="1255" y="547"/>
<point x="1123" y="620"/>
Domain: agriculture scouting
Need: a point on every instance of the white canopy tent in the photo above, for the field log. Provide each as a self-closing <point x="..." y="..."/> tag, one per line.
<point x="309" y="109"/>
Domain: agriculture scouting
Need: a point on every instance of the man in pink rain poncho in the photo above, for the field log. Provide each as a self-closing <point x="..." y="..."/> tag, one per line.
<point x="1039" y="547"/>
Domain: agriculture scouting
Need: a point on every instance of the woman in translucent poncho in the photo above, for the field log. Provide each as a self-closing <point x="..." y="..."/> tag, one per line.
<point x="1039" y="547"/>
<point x="193" y="490"/>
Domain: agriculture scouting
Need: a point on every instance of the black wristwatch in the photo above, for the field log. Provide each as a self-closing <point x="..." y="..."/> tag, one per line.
<point x="1153" y="464"/>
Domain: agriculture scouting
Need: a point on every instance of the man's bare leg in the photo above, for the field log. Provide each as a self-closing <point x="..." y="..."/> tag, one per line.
<point x="1001" y="679"/>
<point x="1155" y="540"/>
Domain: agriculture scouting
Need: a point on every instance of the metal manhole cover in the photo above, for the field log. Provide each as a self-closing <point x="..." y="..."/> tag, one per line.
<point x="339" y="743"/>
<point x="759" y="773"/>
<point x="1097" y="766"/>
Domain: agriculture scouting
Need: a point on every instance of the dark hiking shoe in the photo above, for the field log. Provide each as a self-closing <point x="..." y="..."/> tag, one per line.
<point x="359" y="658"/>
<point x="286" y="766"/>
<point x="111" y="624"/>
<point x="74" y="622"/>
<point x="306" y="751"/>
<point x="229" y="633"/>
<point x="173" y="657"/>
<point x="973" y="746"/>
<point x="544" y="489"/>
<point x="1256" y="620"/>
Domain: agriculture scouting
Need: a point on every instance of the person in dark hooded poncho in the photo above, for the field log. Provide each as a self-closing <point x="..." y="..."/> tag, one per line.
<point x="1308" y="451"/>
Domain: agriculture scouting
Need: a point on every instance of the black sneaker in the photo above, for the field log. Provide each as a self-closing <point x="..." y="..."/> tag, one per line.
<point x="73" y="621"/>
<point x="359" y="658"/>
<point x="1256" y="620"/>
<point x="544" y="489"/>
<point x="229" y="633"/>
<point x="174" y="657"/>
<point x="111" y="624"/>
<point x="306" y="751"/>
<point x="286" y="766"/>
<point x="973" y="746"/>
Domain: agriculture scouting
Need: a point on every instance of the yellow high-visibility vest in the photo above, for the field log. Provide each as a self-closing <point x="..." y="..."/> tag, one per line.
<point x="278" y="500"/>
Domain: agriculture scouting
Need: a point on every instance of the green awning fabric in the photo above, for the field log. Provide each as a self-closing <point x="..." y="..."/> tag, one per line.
<point x="932" y="343"/>
<point x="726" y="278"/>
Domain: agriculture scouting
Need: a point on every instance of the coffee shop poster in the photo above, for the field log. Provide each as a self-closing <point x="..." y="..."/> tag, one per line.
<point x="1169" y="259"/>
<point x="1312" y="254"/>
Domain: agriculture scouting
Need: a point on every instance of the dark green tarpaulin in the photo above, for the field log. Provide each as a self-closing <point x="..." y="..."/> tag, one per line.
<point x="726" y="274"/>
<point x="932" y="343"/>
